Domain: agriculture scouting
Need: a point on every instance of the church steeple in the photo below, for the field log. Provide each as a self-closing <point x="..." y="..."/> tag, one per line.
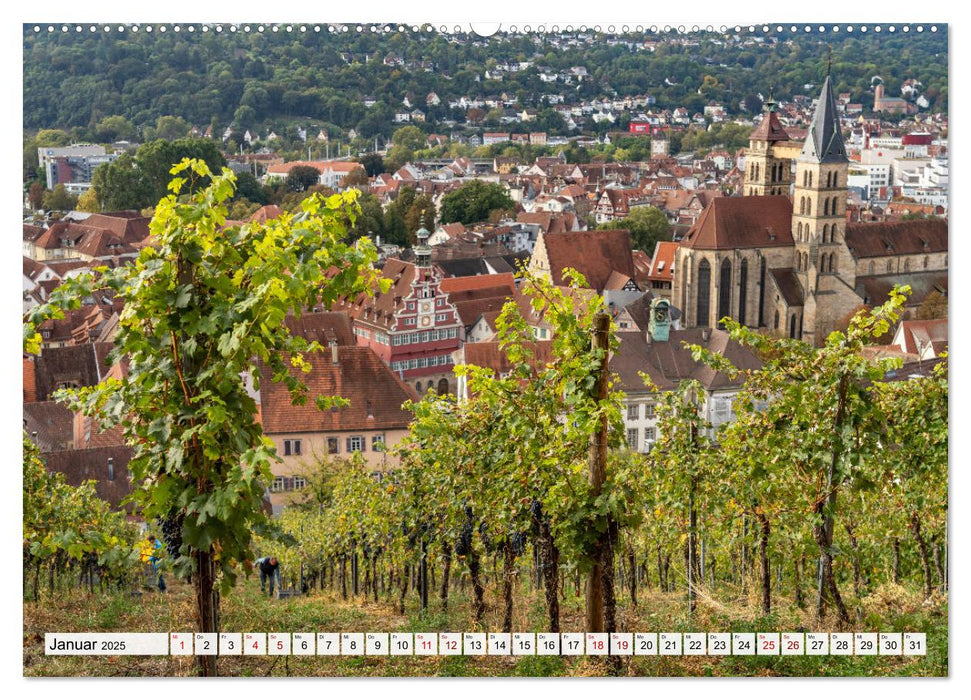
<point x="819" y="204"/>
<point x="824" y="142"/>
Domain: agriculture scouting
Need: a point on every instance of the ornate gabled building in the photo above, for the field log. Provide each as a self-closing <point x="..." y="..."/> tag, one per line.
<point x="413" y="326"/>
<point x="783" y="258"/>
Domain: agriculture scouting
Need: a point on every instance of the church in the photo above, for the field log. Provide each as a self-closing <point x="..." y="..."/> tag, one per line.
<point x="783" y="256"/>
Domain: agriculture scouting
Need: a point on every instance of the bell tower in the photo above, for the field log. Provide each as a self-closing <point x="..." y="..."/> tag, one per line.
<point x="819" y="202"/>
<point x="766" y="173"/>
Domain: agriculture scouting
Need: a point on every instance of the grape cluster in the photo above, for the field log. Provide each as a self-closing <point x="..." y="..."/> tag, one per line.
<point x="171" y="528"/>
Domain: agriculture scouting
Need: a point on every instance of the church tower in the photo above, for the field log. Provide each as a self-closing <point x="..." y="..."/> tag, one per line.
<point x="766" y="171"/>
<point x="819" y="204"/>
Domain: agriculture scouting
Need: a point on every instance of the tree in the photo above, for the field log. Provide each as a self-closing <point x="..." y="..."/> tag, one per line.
<point x="410" y="137"/>
<point x="421" y="214"/>
<point x="248" y="187"/>
<point x="89" y="201"/>
<point x="302" y="177"/>
<point x="171" y="128"/>
<point x="59" y="199"/>
<point x="115" y="128"/>
<point x="752" y="103"/>
<point x="35" y="195"/>
<point x="54" y="138"/>
<point x="356" y="178"/>
<point x="121" y="185"/>
<point x="373" y="164"/>
<point x="647" y="226"/>
<point x="473" y="202"/>
<point x="154" y="159"/>
<point x="397" y="157"/>
<point x="934" y="306"/>
<point x="204" y="310"/>
<point x="244" y="117"/>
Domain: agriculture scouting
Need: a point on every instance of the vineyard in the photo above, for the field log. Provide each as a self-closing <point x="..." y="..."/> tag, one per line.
<point x="822" y="505"/>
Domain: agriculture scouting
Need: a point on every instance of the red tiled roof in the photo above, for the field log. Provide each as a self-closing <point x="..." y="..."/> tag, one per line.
<point x="375" y="393"/>
<point x="266" y="213"/>
<point x="873" y="240"/>
<point x="79" y="466"/>
<point x="742" y="222"/>
<point x="489" y="355"/>
<point x="595" y="254"/>
<point x="662" y="264"/>
<point x="667" y="363"/>
<point x="503" y="282"/>
<point x="788" y="284"/>
<point x="769" y="129"/>
<point x="933" y="331"/>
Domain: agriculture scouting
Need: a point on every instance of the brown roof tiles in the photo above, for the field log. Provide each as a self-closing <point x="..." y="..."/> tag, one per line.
<point x="742" y="222"/>
<point x="375" y="393"/>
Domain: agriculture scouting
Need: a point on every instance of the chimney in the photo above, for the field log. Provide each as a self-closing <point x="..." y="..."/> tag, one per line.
<point x="705" y="334"/>
<point x="333" y="352"/>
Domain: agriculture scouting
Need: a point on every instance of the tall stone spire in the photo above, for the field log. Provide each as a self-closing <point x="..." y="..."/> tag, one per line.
<point x="824" y="142"/>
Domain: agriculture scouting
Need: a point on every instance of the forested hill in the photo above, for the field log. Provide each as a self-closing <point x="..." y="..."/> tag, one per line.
<point x="75" y="79"/>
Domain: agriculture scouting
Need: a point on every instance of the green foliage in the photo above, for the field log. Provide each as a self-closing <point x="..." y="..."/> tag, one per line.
<point x="59" y="199"/>
<point x="647" y="226"/>
<point x="204" y="308"/>
<point x="69" y="78"/>
<point x="410" y="137"/>
<point x="138" y="182"/>
<point x="302" y="177"/>
<point x="473" y="202"/>
<point x="64" y="523"/>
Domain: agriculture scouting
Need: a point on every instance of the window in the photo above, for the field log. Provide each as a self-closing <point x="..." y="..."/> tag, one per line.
<point x="291" y="447"/>
<point x="632" y="438"/>
<point x="333" y="446"/>
<point x="650" y="437"/>
<point x="377" y="443"/>
<point x="279" y="484"/>
<point x="634" y="411"/>
<point x="355" y="443"/>
<point x="441" y="317"/>
<point x="722" y="409"/>
<point x="409" y="321"/>
<point x="648" y="410"/>
<point x="439" y="302"/>
<point x="299" y="482"/>
<point x="411" y="306"/>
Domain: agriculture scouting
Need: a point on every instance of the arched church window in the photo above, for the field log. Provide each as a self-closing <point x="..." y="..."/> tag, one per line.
<point x="725" y="290"/>
<point x="704" y="293"/>
<point x="742" y="291"/>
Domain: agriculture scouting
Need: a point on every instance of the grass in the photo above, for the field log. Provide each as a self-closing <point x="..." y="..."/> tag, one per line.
<point x="890" y="608"/>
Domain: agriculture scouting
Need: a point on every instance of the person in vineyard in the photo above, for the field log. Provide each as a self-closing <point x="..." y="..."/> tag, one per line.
<point x="150" y="552"/>
<point x="269" y="569"/>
